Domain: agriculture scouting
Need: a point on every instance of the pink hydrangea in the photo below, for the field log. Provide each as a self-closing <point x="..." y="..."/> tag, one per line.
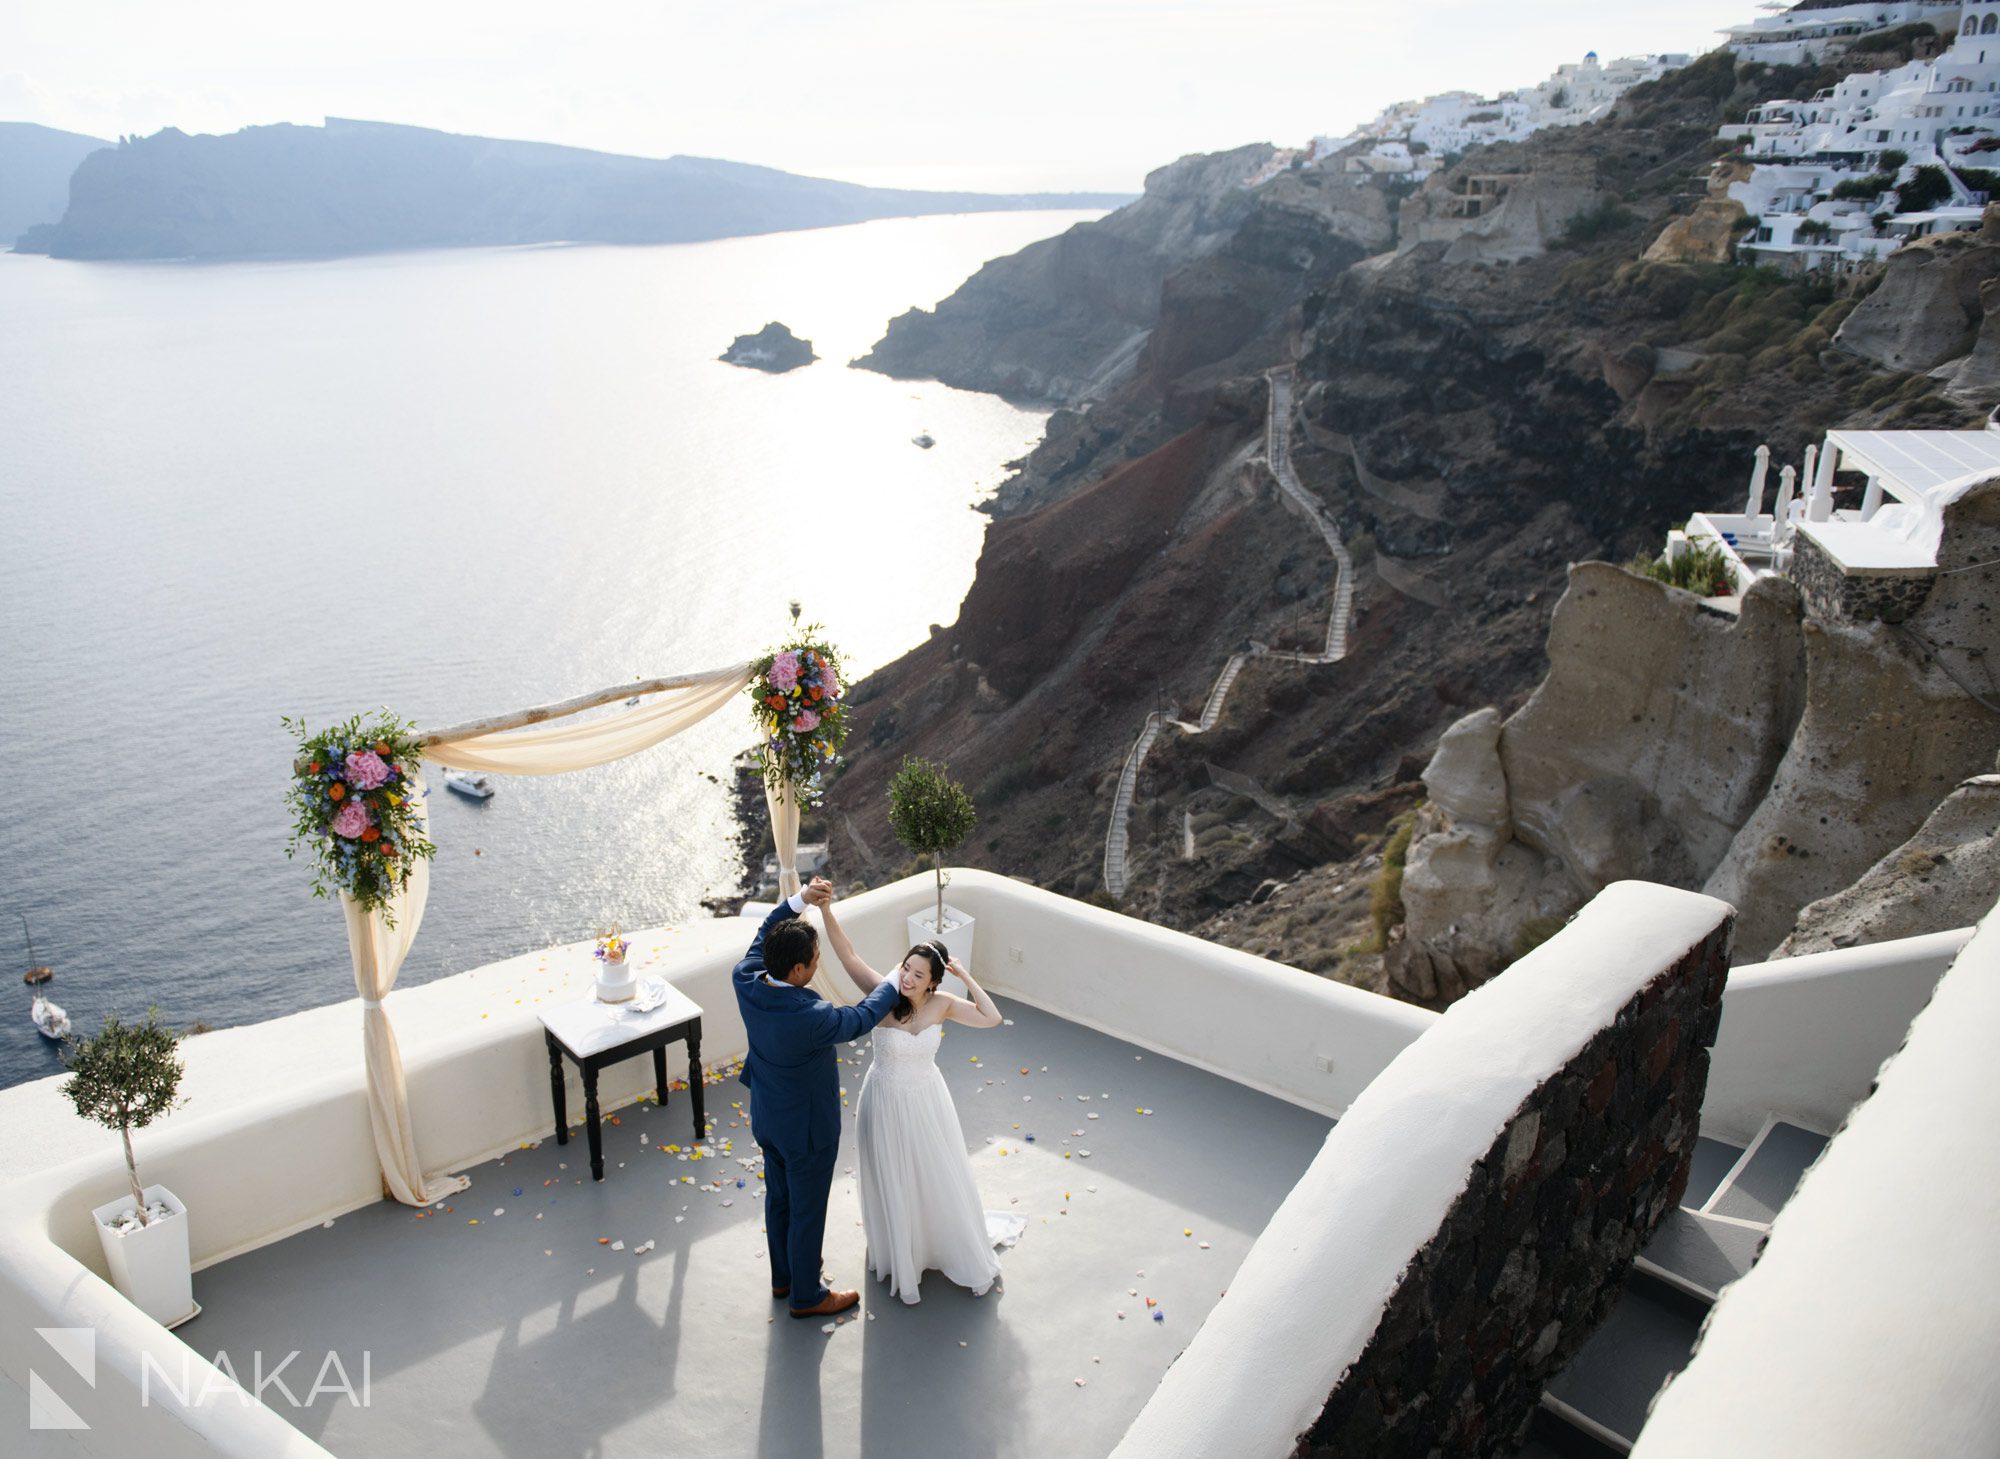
<point x="351" y="821"/>
<point x="366" y="770"/>
<point x="784" y="674"/>
<point x="807" y="722"/>
<point x="829" y="680"/>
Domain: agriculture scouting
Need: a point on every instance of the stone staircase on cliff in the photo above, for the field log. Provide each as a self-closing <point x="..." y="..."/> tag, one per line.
<point x="1596" y="1406"/>
<point x="1340" y="612"/>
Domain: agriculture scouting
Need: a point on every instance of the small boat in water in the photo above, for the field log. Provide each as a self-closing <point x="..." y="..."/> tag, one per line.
<point x="466" y="783"/>
<point x="49" y="1020"/>
<point x="924" y="439"/>
<point x="38" y="973"/>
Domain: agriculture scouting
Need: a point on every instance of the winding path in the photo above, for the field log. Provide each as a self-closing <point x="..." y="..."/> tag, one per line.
<point x="1278" y="460"/>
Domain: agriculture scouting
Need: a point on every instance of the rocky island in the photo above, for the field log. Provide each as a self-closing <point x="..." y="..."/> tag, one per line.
<point x="774" y="349"/>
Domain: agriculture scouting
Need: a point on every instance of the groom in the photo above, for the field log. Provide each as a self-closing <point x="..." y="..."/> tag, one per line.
<point x="795" y="1091"/>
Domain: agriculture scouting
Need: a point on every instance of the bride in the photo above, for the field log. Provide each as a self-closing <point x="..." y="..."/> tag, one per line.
<point x="918" y="1203"/>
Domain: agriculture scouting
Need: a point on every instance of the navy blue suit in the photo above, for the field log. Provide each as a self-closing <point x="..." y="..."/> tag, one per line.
<point x="795" y="1105"/>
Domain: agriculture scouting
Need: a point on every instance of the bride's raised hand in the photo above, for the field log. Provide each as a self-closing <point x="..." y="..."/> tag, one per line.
<point x="981" y="1012"/>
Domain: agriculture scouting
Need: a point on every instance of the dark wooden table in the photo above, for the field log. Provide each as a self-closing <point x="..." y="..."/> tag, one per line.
<point x="585" y="1033"/>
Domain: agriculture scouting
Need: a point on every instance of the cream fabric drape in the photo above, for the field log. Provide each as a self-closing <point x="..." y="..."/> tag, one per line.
<point x="785" y="833"/>
<point x="551" y="749"/>
<point x="378" y="951"/>
<point x="829" y="982"/>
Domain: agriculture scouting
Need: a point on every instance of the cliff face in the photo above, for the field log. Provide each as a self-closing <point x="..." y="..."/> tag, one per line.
<point x="35" y="167"/>
<point x="1473" y="429"/>
<point x="1200" y="255"/>
<point x="356" y="187"/>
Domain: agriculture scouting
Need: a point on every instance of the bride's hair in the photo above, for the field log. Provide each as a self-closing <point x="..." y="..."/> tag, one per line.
<point x="937" y="957"/>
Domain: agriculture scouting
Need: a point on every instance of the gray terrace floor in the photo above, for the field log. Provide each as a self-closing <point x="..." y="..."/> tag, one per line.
<point x="522" y="1336"/>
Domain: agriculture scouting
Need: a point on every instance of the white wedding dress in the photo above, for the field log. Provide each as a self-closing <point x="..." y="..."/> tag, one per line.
<point x="918" y="1203"/>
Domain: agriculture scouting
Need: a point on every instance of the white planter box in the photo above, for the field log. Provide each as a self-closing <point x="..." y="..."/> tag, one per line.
<point x="956" y="937"/>
<point x="150" y="1265"/>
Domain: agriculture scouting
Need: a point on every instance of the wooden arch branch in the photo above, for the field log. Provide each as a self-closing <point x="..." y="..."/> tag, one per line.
<point x="521" y="718"/>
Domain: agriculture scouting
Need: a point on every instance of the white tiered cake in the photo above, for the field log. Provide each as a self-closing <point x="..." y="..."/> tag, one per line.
<point x="615" y="980"/>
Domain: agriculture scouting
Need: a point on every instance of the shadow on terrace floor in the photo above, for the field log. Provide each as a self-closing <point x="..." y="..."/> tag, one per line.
<point x="522" y="1336"/>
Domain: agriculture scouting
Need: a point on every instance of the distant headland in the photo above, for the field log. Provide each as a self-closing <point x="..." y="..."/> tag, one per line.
<point x="363" y="187"/>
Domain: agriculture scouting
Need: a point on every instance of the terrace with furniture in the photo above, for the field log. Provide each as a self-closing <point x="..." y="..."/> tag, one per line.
<point x="1499" y="1224"/>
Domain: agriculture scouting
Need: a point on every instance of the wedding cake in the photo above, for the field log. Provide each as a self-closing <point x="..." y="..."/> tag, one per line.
<point x="615" y="981"/>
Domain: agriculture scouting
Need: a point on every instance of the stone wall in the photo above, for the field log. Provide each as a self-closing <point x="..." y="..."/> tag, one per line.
<point x="1531" y="1257"/>
<point x="1832" y="592"/>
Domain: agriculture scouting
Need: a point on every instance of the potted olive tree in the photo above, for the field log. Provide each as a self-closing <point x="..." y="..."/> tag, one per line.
<point x="932" y="815"/>
<point x="124" y="1079"/>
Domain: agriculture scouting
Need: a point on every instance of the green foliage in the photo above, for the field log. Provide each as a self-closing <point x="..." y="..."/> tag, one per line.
<point x="1865" y="189"/>
<point x="124" y="1079"/>
<point x="1902" y="42"/>
<point x="1385" y="895"/>
<point x="1754" y="309"/>
<point x="930" y="813"/>
<point x="127" y="1076"/>
<point x="1893" y="160"/>
<point x="1812" y="230"/>
<point x="1590" y="225"/>
<point x="1981" y="179"/>
<point x="1010" y="780"/>
<point x="1712" y="75"/>
<point x="1924" y="191"/>
<point x="1699" y="569"/>
<point x="796" y="695"/>
<point x="335" y="772"/>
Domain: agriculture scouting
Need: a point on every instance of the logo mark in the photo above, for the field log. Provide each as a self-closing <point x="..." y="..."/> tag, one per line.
<point x="76" y="1346"/>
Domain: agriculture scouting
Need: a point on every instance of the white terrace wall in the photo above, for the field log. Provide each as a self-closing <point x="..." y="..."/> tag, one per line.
<point x="259" y="1164"/>
<point x="1803" y="1037"/>
<point x="1575" y="1074"/>
<point x="1871" y="1323"/>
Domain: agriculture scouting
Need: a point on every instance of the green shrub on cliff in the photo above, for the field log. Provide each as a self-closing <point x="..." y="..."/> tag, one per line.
<point x="1924" y="191"/>
<point x="1385" y="896"/>
<point x="1606" y="218"/>
<point x="1699" y="569"/>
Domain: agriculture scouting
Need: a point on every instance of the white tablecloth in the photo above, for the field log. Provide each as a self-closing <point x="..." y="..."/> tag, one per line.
<point x="586" y="1027"/>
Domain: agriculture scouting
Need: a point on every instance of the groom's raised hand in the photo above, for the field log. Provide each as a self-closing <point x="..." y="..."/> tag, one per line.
<point x="817" y="893"/>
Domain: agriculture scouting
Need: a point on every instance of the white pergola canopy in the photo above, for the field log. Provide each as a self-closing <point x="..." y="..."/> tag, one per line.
<point x="1928" y="469"/>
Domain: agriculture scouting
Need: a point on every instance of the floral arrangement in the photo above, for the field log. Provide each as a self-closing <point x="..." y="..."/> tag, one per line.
<point x="611" y="948"/>
<point x="352" y="804"/>
<point x="796" y="698"/>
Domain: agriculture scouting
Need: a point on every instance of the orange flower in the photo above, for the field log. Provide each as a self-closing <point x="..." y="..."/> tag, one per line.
<point x="373" y="833"/>
<point x="381" y="747"/>
<point x="335" y="791"/>
<point x="387" y="849"/>
<point x="313" y="768"/>
<point x="815" y="692"/>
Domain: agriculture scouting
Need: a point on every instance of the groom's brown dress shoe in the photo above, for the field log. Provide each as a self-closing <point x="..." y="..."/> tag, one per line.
<point x="831" y="1303"/>
<point x="777" y="1292"/>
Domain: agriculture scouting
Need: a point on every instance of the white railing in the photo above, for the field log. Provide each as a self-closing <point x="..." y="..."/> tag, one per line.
<point x="258" y="1167"/>
<point x="1803" y="1037"/>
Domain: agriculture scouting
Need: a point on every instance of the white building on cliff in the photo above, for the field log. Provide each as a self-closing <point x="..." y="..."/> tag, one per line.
<point x="1830" y="188"/>
<point x="1799" y="36"/>
<point x="1411" y="138"/>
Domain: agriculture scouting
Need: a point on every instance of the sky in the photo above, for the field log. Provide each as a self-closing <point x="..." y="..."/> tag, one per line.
<point x="994" y="95"/>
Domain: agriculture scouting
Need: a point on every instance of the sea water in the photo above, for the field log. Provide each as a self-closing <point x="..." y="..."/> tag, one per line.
<point x="451" y="484"/>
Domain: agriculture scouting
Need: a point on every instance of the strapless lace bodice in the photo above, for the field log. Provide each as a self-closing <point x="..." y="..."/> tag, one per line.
<point x="900" y="1056"/>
